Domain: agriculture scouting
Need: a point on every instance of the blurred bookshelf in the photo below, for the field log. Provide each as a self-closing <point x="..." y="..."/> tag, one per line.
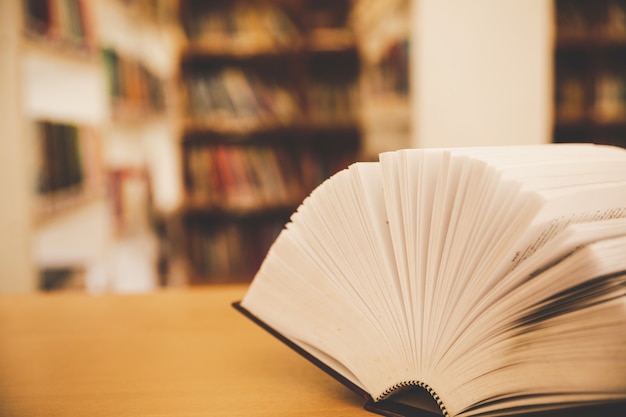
<point x="63" y="111"/>
<point x="270" y="102"/>
<point x="590" y="71"/>
<point x="138" y="51"/>
<point x="67" y="147"/>
<point x="97" y="102"/>
<point x="135" y="92"/>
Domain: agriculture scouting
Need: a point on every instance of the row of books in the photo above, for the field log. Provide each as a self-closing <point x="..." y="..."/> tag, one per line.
<point x="232" y="98"/>
<point x="242" y="177"/>
<point x="256" y="176"/>
<point x="610" y="99"/>
<point x="59" y="157"/>
<point x="237" y="98"/>
<point x="68" y="165"/>
<point x="606" y="104"/>
<point x="226" y="250"/>
<point x="333" y="102"/>
<point x="578" y="19"/>
<point x="243" y="26"/>
<point x="132" y="87"/>
<point x="63" y="21"/>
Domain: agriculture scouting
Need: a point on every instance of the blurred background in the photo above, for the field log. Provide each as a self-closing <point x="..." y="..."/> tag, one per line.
<point x="149" y="144"/>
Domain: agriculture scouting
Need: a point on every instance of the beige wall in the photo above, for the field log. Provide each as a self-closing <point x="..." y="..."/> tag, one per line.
<point x="16" y="271"/>
<point x="482" y="72"/>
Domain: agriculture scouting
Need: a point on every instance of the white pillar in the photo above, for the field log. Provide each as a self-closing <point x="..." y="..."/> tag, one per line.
<point x="17" y="273"/>
<point x="482" y="72"/>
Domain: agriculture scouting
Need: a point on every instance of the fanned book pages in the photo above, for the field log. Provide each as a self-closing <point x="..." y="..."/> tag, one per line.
<point x="492" y="278"/>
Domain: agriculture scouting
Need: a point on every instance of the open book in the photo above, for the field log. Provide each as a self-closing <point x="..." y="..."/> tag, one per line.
<point x="494" y="278"/>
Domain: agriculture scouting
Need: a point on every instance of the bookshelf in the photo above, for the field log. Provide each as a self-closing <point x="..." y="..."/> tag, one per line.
<point x="63" y="109"/>
<point x="138" y="46"/>
<point x="590" y="71"/>
<point x="64" y="135"/>
<point x="269" y="102"/>
<point x="98" y="138"/>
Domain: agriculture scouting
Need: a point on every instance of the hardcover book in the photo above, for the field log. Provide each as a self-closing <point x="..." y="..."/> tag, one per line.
<point x="460" y="282"/>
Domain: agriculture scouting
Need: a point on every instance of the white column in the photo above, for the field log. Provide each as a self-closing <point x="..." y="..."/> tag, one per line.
<point x="17" y="273"/>
<point x="482" y="72"/>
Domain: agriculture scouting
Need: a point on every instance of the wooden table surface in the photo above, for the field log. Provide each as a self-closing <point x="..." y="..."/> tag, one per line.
<point x="171" y="353"/>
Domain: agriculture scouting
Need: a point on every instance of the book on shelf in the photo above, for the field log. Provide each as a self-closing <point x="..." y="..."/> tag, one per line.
<point x="241" y="27"/>
<point x="238" y="100"/>
<point x="610" y="97"/>
<point x="614" y="26"/>
<point x="572" y="20"/>
<point x="67" y="164"/>
<point x="64" y="21"/>
<point x="333" y="102"/>
<point x="228" y="250"/>
<point x="134" y="90"/>
<point x="570" y="100"/>
<point x="492" y="278"/>
<point x="242" y="177"/>
<point x="60" y="157"/>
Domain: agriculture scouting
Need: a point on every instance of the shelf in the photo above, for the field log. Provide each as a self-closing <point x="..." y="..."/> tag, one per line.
<point x="201" y="209"/>
<point x="224" y="50"/>
<point x="592" y="41"/>
<point x="330" y="40"/>
<point x="46" y="45"/>
<point x="221" y="279"/>
<point x="590" y="77"/>
<point x="235" y="128"/>
<point x="62" y="203"/>
<point x="235" y="131"/>
<point x="264" y="123"/>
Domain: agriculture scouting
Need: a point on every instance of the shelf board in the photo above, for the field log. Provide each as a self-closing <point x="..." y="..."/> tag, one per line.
<point x="330" y="40"/>
<point x="239" y="212"/>
<point x="234" y="126"/>
<point x="590" y="42"/>
<point x="83" y="52"/>
<point x="64" y="202"/>
<point x="319" y="40"/>
<point x="237" y="132"/>
<point x="352" y="126"/>
<point x="588" y="123"/>
<point x="198" y="280"/>
<point x="228" y="50"/>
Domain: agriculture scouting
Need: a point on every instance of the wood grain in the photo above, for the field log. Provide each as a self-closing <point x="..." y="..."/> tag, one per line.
<point x="171" y="353"/>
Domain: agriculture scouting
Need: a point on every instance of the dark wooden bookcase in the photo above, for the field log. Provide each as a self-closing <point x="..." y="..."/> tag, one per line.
<point x="270" y="109"/>
<point x="590" y="71"/>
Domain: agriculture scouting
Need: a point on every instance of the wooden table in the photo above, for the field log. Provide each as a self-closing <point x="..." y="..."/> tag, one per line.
<point x="171" y="353"/>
